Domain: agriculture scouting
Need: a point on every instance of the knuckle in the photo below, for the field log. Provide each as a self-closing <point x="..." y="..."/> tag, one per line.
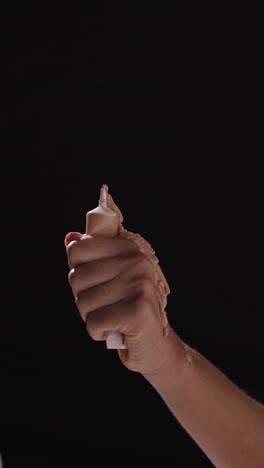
<point x="72" y="277"/>
<point x="81" y="305"/>
<point x="140" y="263"/>
<point x="91" y="326"/>
<point x="139" y="260"/>
<point x="128" y="246"/>
<point x="71" y="251"/>
<point x="144" y="288"/>
<point x="144" y="264"/>
<point x="133" y="247"/>
<point x="142" y="308"/>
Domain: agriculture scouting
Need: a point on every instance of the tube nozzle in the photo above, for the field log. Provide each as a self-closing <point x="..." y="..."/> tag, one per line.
<point x="103" y="197"/>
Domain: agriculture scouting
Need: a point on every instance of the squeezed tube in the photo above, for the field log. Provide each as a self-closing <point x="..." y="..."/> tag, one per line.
<point x="103" y="221"/>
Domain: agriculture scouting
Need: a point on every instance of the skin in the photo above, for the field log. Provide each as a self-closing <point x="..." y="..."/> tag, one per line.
<point x="113" y="286"/>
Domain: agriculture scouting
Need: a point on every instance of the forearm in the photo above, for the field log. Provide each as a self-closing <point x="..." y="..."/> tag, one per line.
<point x="226" y="423"/>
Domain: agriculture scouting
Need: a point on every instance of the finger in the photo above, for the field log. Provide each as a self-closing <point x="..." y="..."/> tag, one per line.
<point x="111" y="292"/>
<point x="71" y="236"/>
<point x="128" y="317"/>
<point x="88" y="248"/>
<point x="93" y="273"/>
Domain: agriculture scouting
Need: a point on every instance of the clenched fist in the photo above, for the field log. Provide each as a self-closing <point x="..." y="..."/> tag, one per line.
<point x="114" y="289"/>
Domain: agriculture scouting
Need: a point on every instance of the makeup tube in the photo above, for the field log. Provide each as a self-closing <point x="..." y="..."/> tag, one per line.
<point x="103" y="221"/>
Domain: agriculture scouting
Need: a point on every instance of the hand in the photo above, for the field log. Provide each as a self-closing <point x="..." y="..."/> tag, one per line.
<point x="114" y="289"/>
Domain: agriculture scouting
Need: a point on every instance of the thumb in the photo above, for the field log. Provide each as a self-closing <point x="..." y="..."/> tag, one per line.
<point x="72" y="236"/>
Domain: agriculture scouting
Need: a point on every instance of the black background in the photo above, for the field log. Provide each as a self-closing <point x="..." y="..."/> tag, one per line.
<point x="167" y="109"/>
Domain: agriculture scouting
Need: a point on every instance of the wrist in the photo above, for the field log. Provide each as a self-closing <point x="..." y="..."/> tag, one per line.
<point x="177" y="359"/>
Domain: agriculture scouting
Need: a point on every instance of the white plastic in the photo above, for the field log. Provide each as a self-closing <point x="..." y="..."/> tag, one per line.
<point x="115" y="340"/>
